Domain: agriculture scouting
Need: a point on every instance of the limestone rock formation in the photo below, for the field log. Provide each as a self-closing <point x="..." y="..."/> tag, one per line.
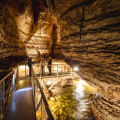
<point x="90" y="38"/>
<point x="86" y="33"/>
<point x="27" y="29"/>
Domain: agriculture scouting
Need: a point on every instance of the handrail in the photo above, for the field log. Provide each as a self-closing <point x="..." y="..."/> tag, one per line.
<point x="7" y="76"/>
<point x="51" y="117"/>
<point x="7" y="91"/>
<point x="49" y="65"/>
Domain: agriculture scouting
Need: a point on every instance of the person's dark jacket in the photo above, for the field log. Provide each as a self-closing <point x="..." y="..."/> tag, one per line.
<point x="29" y="63"/>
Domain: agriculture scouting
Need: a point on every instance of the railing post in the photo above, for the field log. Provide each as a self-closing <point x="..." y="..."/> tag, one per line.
<point x="32" y="80"/>
<point x="40" y="74"/>
<point x="57" y="71"/>
<point x="66" y="69"/>
<point x="1" y="99"/>
<point x="43" y="111"/>
<point x="34" y="90"/>
<point x="44" y="69"/>
<point x="3" y="91"/>
<point x="36" y="95"/>
<point x="25" y="71"/>
<point x="3" y="95"/>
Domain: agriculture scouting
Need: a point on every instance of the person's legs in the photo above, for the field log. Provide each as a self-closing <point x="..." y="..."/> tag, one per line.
<point x="29" y="71"/>
<point x="49" y="70"/>
<point x="42" y="69"/>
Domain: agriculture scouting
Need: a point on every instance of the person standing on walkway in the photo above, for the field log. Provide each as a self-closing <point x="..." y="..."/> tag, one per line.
<point x="43" y="66"/>
<point x="49" y="65"/>
<point x="30" y="66"/>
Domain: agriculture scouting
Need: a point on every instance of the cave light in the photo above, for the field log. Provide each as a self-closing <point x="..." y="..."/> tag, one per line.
<point x="76" y="68"/>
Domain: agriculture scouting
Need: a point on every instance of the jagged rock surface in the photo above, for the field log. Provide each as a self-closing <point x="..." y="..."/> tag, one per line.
<point x="26" y="30"/>
<point x="90" y="39"/>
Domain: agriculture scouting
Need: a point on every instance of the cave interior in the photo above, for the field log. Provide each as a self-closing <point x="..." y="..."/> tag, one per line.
<point x="82" y="33"/>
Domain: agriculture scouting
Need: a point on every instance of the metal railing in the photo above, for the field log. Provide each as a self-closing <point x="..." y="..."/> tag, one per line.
<point x="41" y="103"/>
<point x="7" y="86"/>
<point x="56" y="69"/>
<point x="39" y="97"/>
<point x="40" y="100"/>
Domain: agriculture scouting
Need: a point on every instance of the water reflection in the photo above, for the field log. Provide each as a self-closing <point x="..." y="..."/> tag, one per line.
<point x="79" y="91"/>
<point x="82" y="103"/>
<point x="72" y="102"/>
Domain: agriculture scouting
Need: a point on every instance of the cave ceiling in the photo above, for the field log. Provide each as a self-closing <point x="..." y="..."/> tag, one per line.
<point x="27" y="30"/>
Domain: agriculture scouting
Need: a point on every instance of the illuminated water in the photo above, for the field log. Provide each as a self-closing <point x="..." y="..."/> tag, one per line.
<point x="72" y="103"/>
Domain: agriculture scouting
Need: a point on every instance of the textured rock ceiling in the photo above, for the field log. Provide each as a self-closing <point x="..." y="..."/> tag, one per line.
<point x="27" y="29"/>
<point x="89" y="38"/>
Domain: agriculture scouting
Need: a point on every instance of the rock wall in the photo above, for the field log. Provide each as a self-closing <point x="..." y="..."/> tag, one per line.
<point x="90" y="38"/>
<point x="26" y="29"/>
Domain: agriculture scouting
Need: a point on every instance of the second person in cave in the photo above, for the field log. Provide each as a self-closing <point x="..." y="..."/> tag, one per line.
<point x="43" y="64"/>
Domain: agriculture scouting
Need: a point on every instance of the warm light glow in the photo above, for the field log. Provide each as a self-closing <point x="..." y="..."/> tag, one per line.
<point x="50" y="82"/>
<point x="55" y="68"/>
<point x="56" y="63"/>
<point x="76" y="68"/>
<point x="83" y="82"/>
<point x="21" y="82"/>
<point x="22" y="66"/>
<point x="80" y="91"/>
<point x="87" y="87"/>
<point x="79" y="94"/>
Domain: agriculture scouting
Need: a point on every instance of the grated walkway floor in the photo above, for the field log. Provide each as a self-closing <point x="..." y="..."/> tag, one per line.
<point x="21" y="106"/>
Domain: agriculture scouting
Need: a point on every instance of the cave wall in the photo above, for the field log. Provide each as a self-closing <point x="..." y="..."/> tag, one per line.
<point x="90" y="38"/>
<point x="12" y="46"/>
<point x="26" y="31"/>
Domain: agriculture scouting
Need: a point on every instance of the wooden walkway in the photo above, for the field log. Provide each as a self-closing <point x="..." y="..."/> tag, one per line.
<point x="21" y="106"/>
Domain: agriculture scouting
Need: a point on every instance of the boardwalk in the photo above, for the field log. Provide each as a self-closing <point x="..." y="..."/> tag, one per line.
<point x="21" y="106"/>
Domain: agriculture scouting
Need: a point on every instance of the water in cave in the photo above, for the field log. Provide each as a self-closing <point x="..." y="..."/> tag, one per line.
<point x="72" y="102"/>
